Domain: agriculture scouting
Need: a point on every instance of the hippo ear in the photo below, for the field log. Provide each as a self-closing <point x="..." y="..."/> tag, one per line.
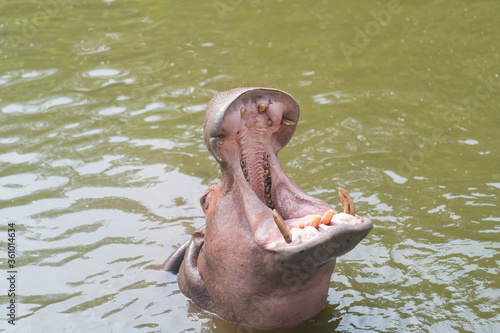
<point x="285" y="109"/>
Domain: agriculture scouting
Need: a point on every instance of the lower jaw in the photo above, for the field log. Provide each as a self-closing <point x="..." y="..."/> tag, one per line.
<point x="298" y="216"/>
<point x="313" y="222"/>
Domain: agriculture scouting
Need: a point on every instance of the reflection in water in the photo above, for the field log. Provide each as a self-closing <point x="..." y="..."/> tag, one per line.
<point x="102" y="161"/>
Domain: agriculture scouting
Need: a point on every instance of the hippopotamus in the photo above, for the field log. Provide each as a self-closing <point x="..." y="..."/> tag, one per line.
<point x="265" y="256"/>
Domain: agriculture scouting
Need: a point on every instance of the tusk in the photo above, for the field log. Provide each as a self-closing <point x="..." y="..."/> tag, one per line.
<point x="282" y="226"/>
<point x="346" y="200"/>
<point x="327" y="217"/>
<point x="315" y="221"/>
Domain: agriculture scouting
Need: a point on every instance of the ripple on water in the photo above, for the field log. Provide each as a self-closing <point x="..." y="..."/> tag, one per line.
<point x="96" y="79"/>
<point x="10" y="140"/>
<point x="334" y="97"/>
<point x="371" y="280"/>
<point x="100" y="166"/>
<point x="37" y="106"/>
<point x="149" y="107"/>
<point x="21" y="185"/>
<point x="115" y="139"/>
<point x="89" y="264"/>
<point x="102" y="72"/>
<point x="16" y="158"/>
<point x="110" y="111"/>
<point x="20" y="76"/>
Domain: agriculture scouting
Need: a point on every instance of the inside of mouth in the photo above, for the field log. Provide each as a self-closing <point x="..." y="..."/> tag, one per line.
<point x="252" y="134"/>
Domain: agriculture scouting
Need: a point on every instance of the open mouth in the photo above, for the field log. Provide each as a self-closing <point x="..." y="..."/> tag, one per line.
<point x="245" y="139"/>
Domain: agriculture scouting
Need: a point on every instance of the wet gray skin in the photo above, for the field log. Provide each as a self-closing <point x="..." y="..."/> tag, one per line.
<point x="241" y="266"/>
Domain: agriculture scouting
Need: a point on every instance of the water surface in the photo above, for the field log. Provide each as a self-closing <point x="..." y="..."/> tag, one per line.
<point x="102" y="160"/>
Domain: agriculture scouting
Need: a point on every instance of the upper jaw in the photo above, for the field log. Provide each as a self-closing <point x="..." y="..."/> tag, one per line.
<point x="224" y="103"/>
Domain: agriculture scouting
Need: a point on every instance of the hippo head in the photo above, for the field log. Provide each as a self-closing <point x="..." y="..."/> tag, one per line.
<point x="266" y="255"/>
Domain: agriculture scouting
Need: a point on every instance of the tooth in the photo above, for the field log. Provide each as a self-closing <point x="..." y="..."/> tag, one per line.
<point x="327" y="217"/>
<point x="346" y="200"/>
<point x="269" y="123"/>
<point x="282" y="226"/>
<point x="315" y="221"/>
<point x="287" y="122"/>
<point x="301" y="225"/>
<point x="242" y="111"/>
<point x="221" y="141"/>
<point x="262" y="108"/>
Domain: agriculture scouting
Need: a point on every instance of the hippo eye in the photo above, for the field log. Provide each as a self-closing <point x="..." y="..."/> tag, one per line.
<point x="204" y="200"/>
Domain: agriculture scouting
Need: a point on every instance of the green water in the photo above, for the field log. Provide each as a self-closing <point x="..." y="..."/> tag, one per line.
<point x="102" y="160"/>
